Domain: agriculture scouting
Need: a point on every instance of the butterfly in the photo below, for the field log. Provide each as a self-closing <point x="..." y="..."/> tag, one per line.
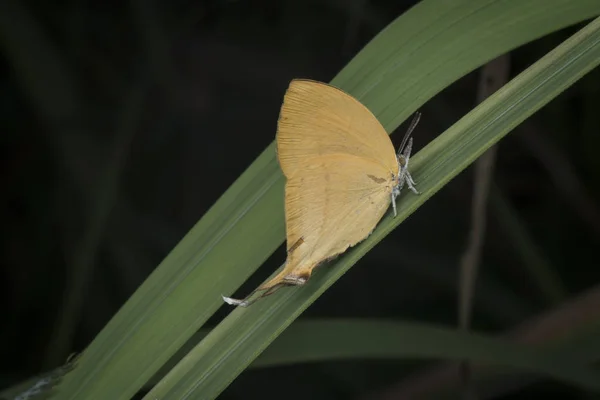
<point x="342" y="174"/>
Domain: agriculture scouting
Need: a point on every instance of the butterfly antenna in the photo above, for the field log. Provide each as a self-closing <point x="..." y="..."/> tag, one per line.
<point x="411" y="128"/>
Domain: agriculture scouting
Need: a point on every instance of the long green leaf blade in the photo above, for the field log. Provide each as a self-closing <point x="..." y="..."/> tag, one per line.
<point x="234" y="343"/>
<point x="316" y="340"/>
<point x="246" y="225"/>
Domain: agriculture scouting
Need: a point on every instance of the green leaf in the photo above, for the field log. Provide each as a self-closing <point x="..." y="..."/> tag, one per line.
<point x="234" y="343"/>
<point x="417" y="56"/>
<point x="350" y="339"/>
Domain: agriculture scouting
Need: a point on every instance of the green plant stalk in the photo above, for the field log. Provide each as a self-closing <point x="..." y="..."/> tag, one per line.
<point x="245" y="333"/>
<point x="322" y="340"/>
<point x="542" y="273"/>
<point x="319" y="340"/>
<point x="417" y="56"/>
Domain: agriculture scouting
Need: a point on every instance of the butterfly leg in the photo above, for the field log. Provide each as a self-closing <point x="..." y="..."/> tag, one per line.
<point x="411" y="183"/>
<point x="405" y="175"/>
<point x="396" y="190"/>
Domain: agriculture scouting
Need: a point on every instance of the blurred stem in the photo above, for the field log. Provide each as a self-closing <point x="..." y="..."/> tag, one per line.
<point x="48" y="83"/>
<point x="560" y="330"/>
<point x="38" y="66"/>
<point x="541" y="271"/>
<point x="493" y="76"/>
<point x="356" y="12"/>
<point x="156" y="44"/>
<point x="103" y="198"/>
<point x="562" y="171"/>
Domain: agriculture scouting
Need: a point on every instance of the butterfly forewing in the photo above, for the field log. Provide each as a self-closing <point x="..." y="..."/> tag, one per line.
<point x="317" y="119"/>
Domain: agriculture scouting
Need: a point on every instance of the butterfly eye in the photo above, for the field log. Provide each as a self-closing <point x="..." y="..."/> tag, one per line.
<point x="401" y="161"/>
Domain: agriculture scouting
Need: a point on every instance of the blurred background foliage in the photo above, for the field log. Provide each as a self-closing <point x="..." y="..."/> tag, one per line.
<point x="134" y="117"/>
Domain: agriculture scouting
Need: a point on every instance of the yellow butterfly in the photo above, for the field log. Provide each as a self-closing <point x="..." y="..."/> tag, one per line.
<point x="342" y="173"/>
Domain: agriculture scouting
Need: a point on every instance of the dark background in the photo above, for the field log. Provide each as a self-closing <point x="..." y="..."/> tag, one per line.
<point x="132" y="118"/>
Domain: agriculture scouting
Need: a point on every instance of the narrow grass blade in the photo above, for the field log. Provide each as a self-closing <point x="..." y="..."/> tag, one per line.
<point x="417" y="56"/>
<point x="234" y="343"/>
<point x="350" y="339"/>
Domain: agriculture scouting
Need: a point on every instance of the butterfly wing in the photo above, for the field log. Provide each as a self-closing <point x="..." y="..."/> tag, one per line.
<point x="317" y="119"/>
<point x="341" y="169"/>
<point x="331" y="203"/>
